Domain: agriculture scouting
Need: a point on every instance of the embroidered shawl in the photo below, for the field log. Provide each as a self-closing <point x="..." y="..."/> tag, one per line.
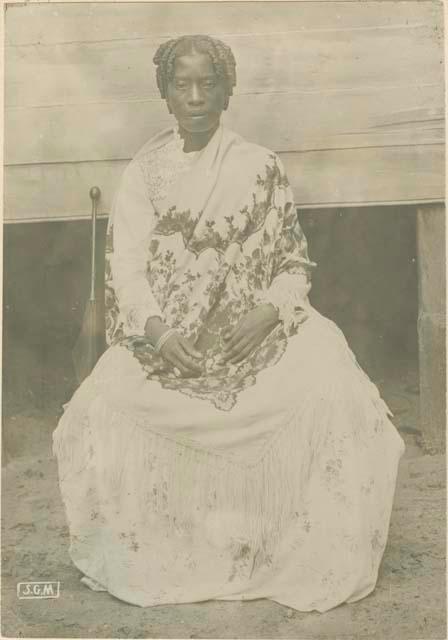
<point x="199" y="239"/>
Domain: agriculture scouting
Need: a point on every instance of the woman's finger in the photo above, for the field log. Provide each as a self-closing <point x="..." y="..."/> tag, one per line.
<point x="233" y="330"/>
<point x="178" y="363"/>
<point x="190" y="350"/>
<point x="169" y="348"/>
<point x="169" y="356"/>
<point x="173" y="353"/>
<point x="184" y="372"/>
<point x="187" y="361"/>
<point x="237" y="348"/>
<point x="238" y="334"/>
<point x="227" y="332"/>
<point x="243" y="354"/>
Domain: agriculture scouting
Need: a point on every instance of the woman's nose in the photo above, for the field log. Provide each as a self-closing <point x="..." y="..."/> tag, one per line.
<point x="195" y="96"/>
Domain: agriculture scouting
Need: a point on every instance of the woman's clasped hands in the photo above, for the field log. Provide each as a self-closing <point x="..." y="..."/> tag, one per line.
<point x="238" y="341"/>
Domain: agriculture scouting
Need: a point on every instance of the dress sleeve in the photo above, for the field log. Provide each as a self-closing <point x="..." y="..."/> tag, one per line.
<point x="130" y="226"/>
<point x="292" y="268"/>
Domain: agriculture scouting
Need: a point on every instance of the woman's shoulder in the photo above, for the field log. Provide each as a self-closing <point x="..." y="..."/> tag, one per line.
<point x="146" y="156"/>
<point x="254" y="152"/>
<point x="155" y="143"/>
<point x="258" y="161"/>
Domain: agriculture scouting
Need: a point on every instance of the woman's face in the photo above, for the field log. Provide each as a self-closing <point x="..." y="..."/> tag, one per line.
<point x="196" y="96"/>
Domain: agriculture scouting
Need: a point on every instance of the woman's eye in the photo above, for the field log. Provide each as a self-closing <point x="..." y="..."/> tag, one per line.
<point x="209" y="84"/>
<point x="180" y="85"/>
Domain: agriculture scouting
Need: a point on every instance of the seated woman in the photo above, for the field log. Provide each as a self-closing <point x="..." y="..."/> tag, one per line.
<point x="227" y="445"/>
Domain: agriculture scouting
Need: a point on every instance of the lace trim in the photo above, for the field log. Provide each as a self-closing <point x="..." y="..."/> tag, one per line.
<point x="161" y="168"/>
<point x="290" y="301"/>
<point x="136" y="318"/>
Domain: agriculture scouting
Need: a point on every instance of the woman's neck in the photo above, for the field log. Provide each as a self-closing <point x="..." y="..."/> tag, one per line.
<point x="196" y="141"/>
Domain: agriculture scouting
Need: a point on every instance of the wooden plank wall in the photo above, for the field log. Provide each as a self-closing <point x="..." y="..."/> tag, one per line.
<point x="432" y="324"/>
<point x="349" y="93"/>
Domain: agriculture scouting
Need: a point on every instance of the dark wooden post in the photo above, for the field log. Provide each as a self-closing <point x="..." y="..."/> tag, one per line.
<point x="431" y="324"/>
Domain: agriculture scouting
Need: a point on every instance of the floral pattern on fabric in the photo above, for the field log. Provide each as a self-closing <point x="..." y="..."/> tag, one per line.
<point x="220" y="383"/>
<point x="288" y="494"/>
<point x="207" y="271"/>
<point x="237" y="228"/>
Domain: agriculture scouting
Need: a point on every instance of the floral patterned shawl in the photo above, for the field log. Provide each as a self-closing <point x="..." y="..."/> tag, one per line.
<point x="199" y="239"/>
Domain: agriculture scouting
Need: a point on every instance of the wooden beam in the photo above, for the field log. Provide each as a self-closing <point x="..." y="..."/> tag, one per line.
<point x="348" y="177"/>
<point x="431" y="325"/>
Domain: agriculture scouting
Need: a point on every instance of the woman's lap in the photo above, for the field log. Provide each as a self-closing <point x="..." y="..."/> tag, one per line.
<point x="315" y="354"/>
<point x="316" y="364"/>
<point x="315" y="430"/>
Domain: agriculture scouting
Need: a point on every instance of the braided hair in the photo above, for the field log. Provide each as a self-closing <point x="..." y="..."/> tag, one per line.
<point x="221" y="56"/>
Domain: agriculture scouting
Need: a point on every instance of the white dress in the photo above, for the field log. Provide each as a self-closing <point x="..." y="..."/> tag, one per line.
<point x="273" y="478"/>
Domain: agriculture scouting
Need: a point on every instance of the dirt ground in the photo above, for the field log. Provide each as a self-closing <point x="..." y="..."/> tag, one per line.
<point x="409" y="601"/>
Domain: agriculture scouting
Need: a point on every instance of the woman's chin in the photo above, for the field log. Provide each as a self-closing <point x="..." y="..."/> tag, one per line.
<point x="199" y="127"/>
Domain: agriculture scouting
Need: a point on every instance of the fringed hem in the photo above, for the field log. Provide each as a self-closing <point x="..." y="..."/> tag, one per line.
<point x="187" y="484"/>
<point x="136" y="468"/>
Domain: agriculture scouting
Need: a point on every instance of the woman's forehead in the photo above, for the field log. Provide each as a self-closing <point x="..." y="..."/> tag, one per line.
<point x="194" y="64"/>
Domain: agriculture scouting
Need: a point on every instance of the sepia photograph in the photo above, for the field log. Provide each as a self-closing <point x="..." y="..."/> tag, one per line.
<point x="224" y="344"/>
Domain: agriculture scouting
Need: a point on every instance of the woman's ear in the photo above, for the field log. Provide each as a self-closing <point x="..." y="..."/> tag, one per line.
<point x="226" y="102"/>
<point x="168" y="107"/>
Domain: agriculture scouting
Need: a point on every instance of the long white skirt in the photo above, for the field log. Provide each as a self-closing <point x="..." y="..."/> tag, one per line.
<point x="287" y="496"/>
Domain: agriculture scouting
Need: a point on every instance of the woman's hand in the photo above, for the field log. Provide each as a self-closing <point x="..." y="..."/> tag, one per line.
<point x="249" y="332"/>
<point x="177" y="350"/>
